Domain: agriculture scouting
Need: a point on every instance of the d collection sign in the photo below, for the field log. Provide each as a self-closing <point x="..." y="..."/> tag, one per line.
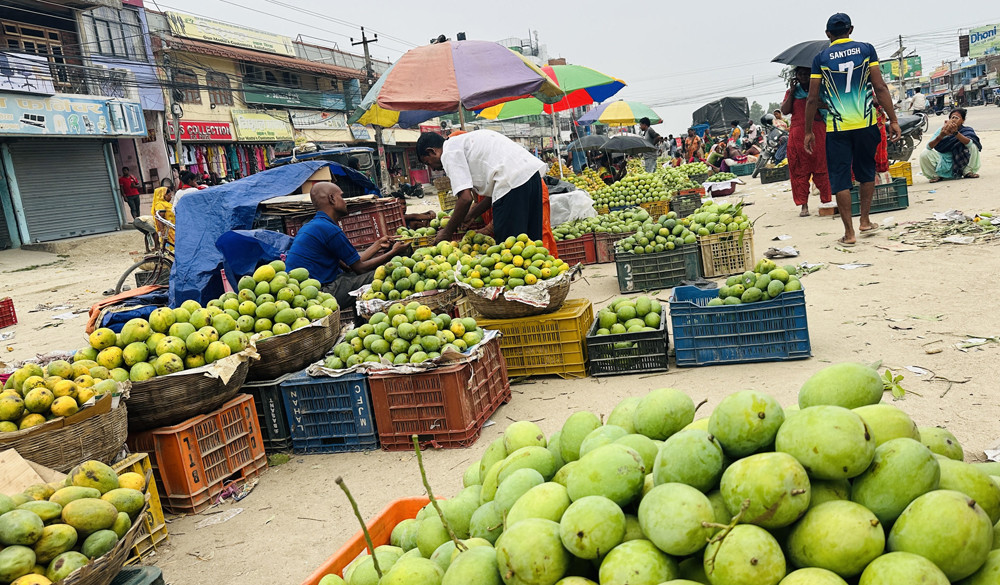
<point x="203" y="131"/>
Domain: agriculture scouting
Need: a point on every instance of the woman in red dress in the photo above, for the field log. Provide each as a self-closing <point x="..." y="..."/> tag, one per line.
<point x="801" y="164"/>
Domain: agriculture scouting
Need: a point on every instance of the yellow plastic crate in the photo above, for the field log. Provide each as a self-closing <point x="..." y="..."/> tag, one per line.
<point x="541" y="345"/>
<point x="656" y="208"/>
<point x="902" y="169"/>
<point x="726" y="253"/>
<point x="154" y="529"/>
<point x="447" y="200"/>
<point x="419" y="241"/>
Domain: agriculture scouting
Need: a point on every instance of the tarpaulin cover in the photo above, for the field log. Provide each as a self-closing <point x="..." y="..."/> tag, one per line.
<point x="144" y="305"/>
<point x="244" y="250"/>
<point x="205" y="215"/>
<point x="719" y="114"/>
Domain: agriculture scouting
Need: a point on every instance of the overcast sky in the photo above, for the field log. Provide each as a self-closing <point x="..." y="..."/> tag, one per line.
<point x="675" y="56"/>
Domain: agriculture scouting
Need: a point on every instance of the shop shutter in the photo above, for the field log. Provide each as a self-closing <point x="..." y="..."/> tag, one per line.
<point x="5" y="241"/>
<point x="65" y="188"/>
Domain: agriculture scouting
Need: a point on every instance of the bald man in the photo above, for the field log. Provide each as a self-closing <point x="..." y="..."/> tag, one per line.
<point x="321" y="247"/>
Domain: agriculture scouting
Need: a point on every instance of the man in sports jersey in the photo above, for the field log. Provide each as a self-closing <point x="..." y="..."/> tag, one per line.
<point x="848" y="78"/>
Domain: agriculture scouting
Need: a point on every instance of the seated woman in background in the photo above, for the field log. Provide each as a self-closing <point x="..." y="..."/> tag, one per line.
<point x="716" y="155"/>
<point x="953" y="153"/>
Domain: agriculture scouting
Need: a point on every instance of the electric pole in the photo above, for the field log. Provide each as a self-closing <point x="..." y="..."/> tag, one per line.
<point x="172" y="106"/>
<point x="370" y="78"/>
<point x="902" y="77"/>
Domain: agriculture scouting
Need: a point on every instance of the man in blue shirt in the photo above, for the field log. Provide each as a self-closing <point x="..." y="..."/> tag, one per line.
<point x="848" y="77"/>
<point x="321" y="247"/>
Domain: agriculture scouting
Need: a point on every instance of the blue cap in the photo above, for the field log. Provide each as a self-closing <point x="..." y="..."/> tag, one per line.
<point x="838" y="23"/>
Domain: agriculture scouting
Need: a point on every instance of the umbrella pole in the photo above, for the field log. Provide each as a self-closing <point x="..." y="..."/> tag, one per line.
<point x="555" y="130"/>
<point x="461" y="117"/>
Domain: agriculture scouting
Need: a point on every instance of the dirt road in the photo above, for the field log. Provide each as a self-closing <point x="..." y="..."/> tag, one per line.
<point x="901" y="307"/>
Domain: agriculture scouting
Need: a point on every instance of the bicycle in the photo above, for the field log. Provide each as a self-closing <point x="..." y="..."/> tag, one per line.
<point x="159" y="256"/>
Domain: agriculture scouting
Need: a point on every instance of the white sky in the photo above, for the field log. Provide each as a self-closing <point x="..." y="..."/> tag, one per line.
<point x="674" y="56"/>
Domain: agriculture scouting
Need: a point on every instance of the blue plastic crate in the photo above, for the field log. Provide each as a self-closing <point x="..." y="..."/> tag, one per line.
<point x="766" y="331"/>
<point x="329" y="415"/>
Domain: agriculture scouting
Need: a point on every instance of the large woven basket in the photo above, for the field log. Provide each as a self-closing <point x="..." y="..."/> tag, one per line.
<point x="291" y="352"/>
<point x="442" y="301"/>
<point x="104" y="569"/>
<point x="168" y="400"/>
<point x="501" y="308"/>
<point x="98" y="437"/>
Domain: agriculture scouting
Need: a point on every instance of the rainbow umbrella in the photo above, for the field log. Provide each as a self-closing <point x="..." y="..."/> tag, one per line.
<point x="583" y="86"/>
<point x="620" y="113"/>
<point x="433" y="79"/>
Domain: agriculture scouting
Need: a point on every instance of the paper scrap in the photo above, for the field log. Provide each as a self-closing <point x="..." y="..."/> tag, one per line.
<point x="852" y="266"/>
<point x="65" y="316"/>
<point x="786" y="252"/>
<point x="959" y="240"/>
<point x="7" y="336"/>
<point x="219" y="518"/>
<point x="782" y="237"/>
<point x="918" y="370"/>
<point x="897" y="247"/>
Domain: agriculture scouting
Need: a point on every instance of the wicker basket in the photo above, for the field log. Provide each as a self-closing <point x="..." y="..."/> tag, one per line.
<point x="442" y="301"/>
<point x="168" y="400"/>
<point x="501" y="308"/>
<point x="291" y="352"/>
<point x="104" y="569"/>
<point x="99" y="437"/>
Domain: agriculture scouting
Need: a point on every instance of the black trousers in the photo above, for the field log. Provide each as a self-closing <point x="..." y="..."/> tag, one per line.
<point x="133" y="205"/>
<point x="519" y="211"/>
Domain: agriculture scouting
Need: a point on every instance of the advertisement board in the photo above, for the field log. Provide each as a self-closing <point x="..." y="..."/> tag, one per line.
<point x="984" y="41"/>
<point x="262" y="125"/>
<point x="226" y="33"/>
<point x="69" y="115"/>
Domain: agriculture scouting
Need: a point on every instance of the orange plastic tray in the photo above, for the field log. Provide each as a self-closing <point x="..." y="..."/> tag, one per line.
<point x="380" y="528"/>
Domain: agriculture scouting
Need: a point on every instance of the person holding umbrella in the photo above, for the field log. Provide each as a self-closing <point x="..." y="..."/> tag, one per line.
<point x="802" y="164"/>
<point x="507" y="175"/>
<point x="654" y="139"/>
<point x="848" y="76"/>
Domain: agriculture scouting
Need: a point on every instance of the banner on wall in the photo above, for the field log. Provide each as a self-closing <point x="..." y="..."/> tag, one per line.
<point x="69" y="115"/>
<point x="227" y="33"/>
<point x="262" y="126"/>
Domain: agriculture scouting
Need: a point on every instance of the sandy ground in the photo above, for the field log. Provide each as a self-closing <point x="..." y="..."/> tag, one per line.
<point x="896" y="310"/>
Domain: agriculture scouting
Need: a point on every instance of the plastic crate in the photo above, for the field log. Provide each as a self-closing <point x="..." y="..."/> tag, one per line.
<point x="138" y="576"/>
<point x="293" y="223"/>
<point x="888" y="197"/>
<point x="551" y="344"/>
<point x="743" y="170"/>
<point x="274" y="223"/>
<point x="195" y="460"/>
<point x="391" y="214"/>
<point x="445" y="407"/>
<point x="379" y="528"/>
<point x="578" y="250"/>
<point x="348" y="314"/>
<point x="902" y="169"/>
<point x="154" y="526"/>
<point x="604" y="245"/>
<point x="648" y="352"/>
<point x="447" y="200"/>
<point x="730" y="334"/>
<point x="699" y="178"/>
<point x="328" y="415"/>
<point x="687" y="201"/>
<point x="773" y="174"/>
<point x="656" y="208"/>
<point x="361" y="228"/>
<point x="419" y="241"/>
<point x="726" y="253"/>
<point x="656" y="271"/>
<point x="270" y="413"/>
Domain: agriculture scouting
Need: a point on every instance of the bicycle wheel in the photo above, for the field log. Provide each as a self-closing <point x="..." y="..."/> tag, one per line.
<point x="162" y="266"/>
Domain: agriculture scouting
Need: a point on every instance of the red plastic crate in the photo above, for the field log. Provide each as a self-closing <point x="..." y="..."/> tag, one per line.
<point x="7" y="315"/>
<point x="446" y="407"/>
<point x="604" y="245"/>
<point x="371" y="220"/>
<point x="293" y="223"/>
<point x="195" y="460"/>
<point x="578" y="250"/>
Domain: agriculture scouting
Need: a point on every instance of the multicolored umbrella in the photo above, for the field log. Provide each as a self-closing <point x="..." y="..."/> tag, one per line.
<point x="619" y="113"/>
<point x="583" y="86"/>
<point x="437" y="78"/>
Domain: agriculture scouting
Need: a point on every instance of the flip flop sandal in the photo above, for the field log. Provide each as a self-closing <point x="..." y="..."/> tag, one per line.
<point x="841" y="242"/>
<point x="871" y="231"/>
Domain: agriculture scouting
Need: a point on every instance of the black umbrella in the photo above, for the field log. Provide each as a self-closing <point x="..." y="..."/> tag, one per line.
<point x="802" y="54"/>
<point x="589" y="142"/>
<point x="629" y="144"/>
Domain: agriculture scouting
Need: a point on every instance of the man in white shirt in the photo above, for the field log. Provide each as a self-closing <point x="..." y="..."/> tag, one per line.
<point x="490" y="164"/>
<point x="919" y="103"/>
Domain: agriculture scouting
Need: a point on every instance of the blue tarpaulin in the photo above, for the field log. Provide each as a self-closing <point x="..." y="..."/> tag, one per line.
<point x="244" y="250"/>
<point x="144" y="305"/>
<point x="203" y="216"/>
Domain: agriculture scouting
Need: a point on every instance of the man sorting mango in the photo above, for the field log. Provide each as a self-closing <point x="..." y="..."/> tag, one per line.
<point x="507" y="176"/>
<point x="322" y="248"/>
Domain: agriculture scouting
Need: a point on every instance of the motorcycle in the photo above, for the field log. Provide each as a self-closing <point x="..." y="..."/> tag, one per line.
<point x="407" y="190"/>
<point x="774" y="139"/>
<point x="912" y="128"/>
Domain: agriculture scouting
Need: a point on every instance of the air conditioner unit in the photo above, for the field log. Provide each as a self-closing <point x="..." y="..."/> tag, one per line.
<point x="114" y="82"/>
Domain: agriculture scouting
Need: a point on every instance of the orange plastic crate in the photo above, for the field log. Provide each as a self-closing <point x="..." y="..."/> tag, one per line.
<point x="578" y="250"/>
<point x="380" y="529"/>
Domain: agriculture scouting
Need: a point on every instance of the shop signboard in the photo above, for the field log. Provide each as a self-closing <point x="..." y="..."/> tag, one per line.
<point x="292" y="98"/>
<point x="313" y="120"/>
<point x="69" y="115"/>
<point x="984" y="41"/>
<point x="360" y="132"/>
<point x="227" y="33"/>
<point x="199" y="131"/>
<point x="25" y="73"/>
<point x="912" y="67"/>
<point x="262" y="125"/>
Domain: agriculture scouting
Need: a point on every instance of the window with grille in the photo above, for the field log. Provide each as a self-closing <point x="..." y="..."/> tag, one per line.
<point x="186" y="83"/>
<point x="219" y="91"/>
<point x="38" y="40"/>
<point x="115" y="33"/>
